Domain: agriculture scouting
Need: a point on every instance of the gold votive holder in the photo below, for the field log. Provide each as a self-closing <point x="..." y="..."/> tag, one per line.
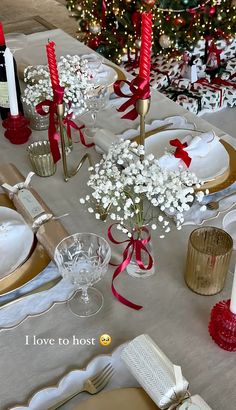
<point x="41" y="158"/>
<point x="208" y="258"/>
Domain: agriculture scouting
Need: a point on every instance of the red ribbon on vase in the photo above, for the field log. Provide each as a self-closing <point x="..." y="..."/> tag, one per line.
<point x="180" y="152"/>
<point x="71" y="124"/>
<point x="134" y="246"/>
<point x="139" y="88"/>
<point x="53" y="136"/>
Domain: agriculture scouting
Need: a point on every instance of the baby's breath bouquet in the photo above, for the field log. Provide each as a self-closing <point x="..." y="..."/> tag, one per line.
<point x="137" y="193"/>
<point x="74" y="76"/>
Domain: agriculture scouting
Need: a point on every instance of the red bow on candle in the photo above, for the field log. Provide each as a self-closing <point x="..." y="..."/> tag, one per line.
<point x="180" y="152"/>
<point x="52" y="129"/>
<point x="134" y="246"/>
<point x="139" y="88"/>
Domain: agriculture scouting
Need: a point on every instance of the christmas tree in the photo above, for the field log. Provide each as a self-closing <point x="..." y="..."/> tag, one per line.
<point x="113" y="27"/>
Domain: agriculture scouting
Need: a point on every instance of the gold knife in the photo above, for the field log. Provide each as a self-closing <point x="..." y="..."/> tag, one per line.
<point x="39" y="289"/>
<point x="154" y="131"/>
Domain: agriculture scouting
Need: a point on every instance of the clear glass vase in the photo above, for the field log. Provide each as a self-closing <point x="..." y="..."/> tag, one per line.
<point x="37" y="122"/>
<point x="146" y="255"/>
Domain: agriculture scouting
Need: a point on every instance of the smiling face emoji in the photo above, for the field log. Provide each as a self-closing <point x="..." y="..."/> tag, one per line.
<point x="105" y="340"/>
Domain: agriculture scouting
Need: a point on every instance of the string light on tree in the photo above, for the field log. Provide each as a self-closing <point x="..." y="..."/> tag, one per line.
<point x="184" y="22"/>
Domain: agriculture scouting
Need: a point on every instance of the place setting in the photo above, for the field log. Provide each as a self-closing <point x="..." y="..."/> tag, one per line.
<point x="144" y="195"/>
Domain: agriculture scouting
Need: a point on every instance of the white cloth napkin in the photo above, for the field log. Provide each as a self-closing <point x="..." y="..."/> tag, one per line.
<point x="160" y="378"/>
<point x="198" y="147"/>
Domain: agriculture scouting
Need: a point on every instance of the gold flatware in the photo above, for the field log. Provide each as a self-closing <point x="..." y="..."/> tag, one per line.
<point x="39" y="289"/>
<point x="214" y="205"/>
<point x="92" y="385"/>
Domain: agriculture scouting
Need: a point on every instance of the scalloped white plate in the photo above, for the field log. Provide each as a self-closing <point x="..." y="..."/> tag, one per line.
<point x="16" y="240"/>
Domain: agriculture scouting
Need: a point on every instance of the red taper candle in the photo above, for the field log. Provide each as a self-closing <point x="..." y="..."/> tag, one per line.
<point x="146" y="46"/>
<point x="52" y="64"/>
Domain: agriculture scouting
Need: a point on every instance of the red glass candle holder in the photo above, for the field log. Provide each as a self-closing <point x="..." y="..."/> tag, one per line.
<point x="222" y="326"/>
<point x="17" y="130"/>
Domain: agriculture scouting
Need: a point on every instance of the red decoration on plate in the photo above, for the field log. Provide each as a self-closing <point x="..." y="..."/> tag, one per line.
<point x="180" y="152"/>
<point x="222" y="326"/>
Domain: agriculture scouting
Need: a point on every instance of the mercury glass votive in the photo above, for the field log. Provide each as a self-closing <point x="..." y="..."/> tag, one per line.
<point x="41" y="158"/>
<point x="208" y="258"/>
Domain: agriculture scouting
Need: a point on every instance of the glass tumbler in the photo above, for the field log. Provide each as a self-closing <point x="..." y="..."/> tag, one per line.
<point x="208" y="258"/>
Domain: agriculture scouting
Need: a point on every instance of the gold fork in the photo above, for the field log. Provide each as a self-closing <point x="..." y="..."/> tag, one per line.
<point x="214" y="205"/>
<point x="92" y="385"/>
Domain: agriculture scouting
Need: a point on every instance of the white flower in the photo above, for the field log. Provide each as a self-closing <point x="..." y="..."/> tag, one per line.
<point x="82" y="201"/>
<point x="140" y="192"/>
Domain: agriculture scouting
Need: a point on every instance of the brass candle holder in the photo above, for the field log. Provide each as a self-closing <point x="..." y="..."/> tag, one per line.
<point x="68" y="174"/>
<point x="142" y="108"/>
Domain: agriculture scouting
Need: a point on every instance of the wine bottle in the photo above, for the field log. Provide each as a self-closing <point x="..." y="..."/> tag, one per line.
<point x="4" y="100"/>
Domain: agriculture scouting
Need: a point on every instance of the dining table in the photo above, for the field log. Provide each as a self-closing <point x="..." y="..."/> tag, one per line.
<point x="175" y="317"/>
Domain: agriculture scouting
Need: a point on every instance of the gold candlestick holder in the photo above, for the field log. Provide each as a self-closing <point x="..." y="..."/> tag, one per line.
<point x="68" y="174"/>
<point x="142" y="108"/>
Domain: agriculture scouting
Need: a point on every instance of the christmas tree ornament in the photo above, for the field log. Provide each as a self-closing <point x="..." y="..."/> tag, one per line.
<point x="138" y="43"/>
<point x="116" y="11"/>
<point x="179" y="21"/>
<point x="149" y="2"/>
<point x="84" y="25"/>
<point x="94" y="43"/>
<point x="212" y="11"/>
<point x="79" y="7"/>
<point x="164" y="41"/>
<point x="94" y="27"/>
<point x="167" y="18"/>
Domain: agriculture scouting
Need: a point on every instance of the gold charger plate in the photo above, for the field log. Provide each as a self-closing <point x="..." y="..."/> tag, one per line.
<point x="221" y="182"/>
<point x="36" y="262"/>
<point x="119" y="399"/>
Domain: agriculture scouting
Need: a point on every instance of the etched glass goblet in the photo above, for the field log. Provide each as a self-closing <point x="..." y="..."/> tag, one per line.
<point x="83" y="259"/>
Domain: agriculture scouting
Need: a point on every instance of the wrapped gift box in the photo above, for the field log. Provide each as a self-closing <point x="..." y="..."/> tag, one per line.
<point x="159" y="80"/>
<point x="192" y="101"/>
<point x="228" y="48"/>
<point x="213" y="95"/>
<point x="181" y="83"/>
<point x="231" y="66"/>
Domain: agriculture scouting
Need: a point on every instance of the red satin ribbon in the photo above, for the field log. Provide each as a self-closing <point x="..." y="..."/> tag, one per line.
<point x="104" y="7"/>
<point x="180" y="152"/>
<point x="212" y="49"/>
<point x="52" y="129"/>
<point x="71" y="124"/>
<point x="139" y="88"/>
<point x="134" y="246"/>
<point x="219" y="81"/>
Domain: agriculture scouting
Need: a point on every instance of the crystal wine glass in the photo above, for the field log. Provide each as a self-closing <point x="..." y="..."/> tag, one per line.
<point x="97" y="100"/>
<point x="83" y="259"/>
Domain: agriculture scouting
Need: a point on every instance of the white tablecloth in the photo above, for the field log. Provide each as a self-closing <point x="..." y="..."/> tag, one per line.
<point x="175" y="317"/>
